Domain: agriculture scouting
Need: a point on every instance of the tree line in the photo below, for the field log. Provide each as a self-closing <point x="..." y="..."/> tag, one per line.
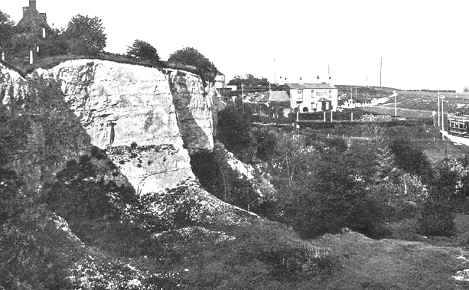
<point x="86" y="36"/>
<point x="327" y="184"/>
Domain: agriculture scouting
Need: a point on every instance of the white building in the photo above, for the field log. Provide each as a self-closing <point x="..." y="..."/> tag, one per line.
<point x="310" y="97"/>
<point x="219" y="81"/>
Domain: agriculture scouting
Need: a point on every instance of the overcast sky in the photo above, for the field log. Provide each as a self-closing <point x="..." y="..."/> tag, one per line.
<point x="424" y="43"/>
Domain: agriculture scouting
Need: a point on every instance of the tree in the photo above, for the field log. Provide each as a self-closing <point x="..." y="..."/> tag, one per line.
<point x="234" y="130"/>
<point x="436" y="213"/>
<point x="85" y="35"/>
<point x="334" y="197"/>
<point x="143" y="51"/>
<point x="411" y="159"/>
<point x="249" y="82"/>
<point x="6" y="30"/>
<point x="191" y="56"/>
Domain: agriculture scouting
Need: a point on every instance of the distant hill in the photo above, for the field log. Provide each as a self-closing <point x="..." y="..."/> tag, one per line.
<point x="364" y="94"/>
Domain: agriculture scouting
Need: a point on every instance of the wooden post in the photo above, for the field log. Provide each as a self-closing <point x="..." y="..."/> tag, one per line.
<point x="332" y="116"/>
<point x="324" y="116"/>
<point x="351" y="116"/>
<point x="31" y="57"/>
<point x="438" y="114"/>
<point x="442" y="115"/>
<point x="3" y="56"/>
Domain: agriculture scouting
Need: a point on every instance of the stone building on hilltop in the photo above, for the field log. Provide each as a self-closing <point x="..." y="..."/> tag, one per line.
<point x="33" y="21"/>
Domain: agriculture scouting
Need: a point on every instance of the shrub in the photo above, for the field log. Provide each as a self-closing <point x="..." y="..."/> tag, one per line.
<point x="435" y="219"/>
<point x="411" y="159"/>
<point x="190" y="56"/>
<point x="266" y="141"/>
<point x="142" y="50"/>
<point x="12" y="198"/>
<point x="85" y="35"/>
<point x="234" y="131"/>
<point x="98" y="211"/>
<point x="333" y="198"/>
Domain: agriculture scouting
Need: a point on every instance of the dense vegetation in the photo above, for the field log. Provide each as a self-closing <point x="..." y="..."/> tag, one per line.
<point x="326" y="183"/>
<point x="142" y="50"/>
<point x="191" y="56"/>
<point x="83" y="35"/>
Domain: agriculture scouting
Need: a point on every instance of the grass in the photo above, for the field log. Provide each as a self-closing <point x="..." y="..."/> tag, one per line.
<point x="390" y="264"/>
<point x="24" y="68"/>
<point x="427" y="101"/>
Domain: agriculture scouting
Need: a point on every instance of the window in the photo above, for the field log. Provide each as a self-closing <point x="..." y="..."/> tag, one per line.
<point x="299" y="96"/>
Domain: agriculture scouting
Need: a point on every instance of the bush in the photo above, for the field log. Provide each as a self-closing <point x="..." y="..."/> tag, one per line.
<point x="266" y="141"/>
<point x="85" y="35"/>
<point x="333" y="198"/>
<point x="411" y="159"/>
<point x="99" y="212"/>
<point x="142" y="50"/>
<point x="12" y="198"/>
<point x="190" y="56"/>
<point x="435" y="219"/>
<point x="223" y="183"/>
<point x="234" y="130"/>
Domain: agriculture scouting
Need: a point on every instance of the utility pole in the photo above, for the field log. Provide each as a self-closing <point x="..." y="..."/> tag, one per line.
<point x="438" y="114"/>
<point x="380" y="71"/>
<point x="242" y="95"/>
<point x="442" y="113"/>
<point x="395" y="105"/>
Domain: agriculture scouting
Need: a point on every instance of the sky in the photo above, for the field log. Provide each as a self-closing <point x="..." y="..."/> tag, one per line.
<point x="424" y="43"/>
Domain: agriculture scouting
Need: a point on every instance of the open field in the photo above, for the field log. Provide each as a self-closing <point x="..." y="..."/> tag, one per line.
<point x="427" y="101"/>
<point x="401" y="112"/>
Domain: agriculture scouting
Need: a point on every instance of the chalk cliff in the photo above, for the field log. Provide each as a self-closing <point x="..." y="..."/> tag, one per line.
<point x="130" y="112"/>
<point x="136" y="127"/>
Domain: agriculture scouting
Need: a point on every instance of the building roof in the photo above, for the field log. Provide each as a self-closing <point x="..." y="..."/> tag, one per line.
<point x="303" y="86"/>
<point x="260" y="97"/>
<point x="33" y="20"/>
<point x="279" y="97"/>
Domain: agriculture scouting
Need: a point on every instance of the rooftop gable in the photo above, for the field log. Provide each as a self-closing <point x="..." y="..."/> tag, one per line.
<point x="302" y="86"/>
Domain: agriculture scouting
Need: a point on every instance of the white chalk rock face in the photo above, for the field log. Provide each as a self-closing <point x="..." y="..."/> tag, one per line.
<point x="195" y="110"/>
<point x="130" y="111"/>
<point x="119" y="104"/>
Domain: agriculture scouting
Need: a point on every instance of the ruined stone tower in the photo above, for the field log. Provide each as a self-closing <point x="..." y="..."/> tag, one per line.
<point x="33" y="21"/>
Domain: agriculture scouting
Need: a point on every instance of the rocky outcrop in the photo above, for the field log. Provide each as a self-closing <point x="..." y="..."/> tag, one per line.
<point x="234" y="170"/>
<point x="146" y="120"/>
<point x="195" y="109"/>
<point x="40" y="132"/>
<point x="136" y="125"/>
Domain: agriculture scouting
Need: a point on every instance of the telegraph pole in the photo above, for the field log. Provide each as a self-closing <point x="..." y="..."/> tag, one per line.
<point x="442" y="114"/>
<point x="242" y="95"/>
<point x="380" y="71"/>
<point x="438" y="114"/>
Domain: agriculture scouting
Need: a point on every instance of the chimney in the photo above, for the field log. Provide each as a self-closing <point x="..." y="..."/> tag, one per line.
<point x="32" y="4"/>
